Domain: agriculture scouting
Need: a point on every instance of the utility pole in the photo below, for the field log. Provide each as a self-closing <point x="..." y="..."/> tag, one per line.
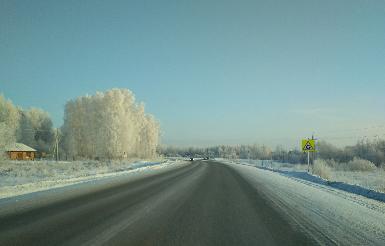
<point x="308" y="161"/>
<point x="57" y="144"/>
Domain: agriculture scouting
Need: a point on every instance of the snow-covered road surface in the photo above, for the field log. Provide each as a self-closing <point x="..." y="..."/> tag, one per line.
<point x="324" y="212"/>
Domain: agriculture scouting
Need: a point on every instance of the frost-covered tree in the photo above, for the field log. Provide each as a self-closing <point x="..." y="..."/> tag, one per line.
<point x="9" y="118"/>
<point x="36" y="129"/>
<point x="223" y="151"/>
<point x="109" y="125"/>
<point x="32" y="127"/>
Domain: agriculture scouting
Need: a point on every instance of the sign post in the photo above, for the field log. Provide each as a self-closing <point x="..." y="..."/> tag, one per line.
<point x="308" y="145"/>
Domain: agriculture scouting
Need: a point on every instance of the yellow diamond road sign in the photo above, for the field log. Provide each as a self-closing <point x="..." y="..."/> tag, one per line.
<point x="308" y="145"/>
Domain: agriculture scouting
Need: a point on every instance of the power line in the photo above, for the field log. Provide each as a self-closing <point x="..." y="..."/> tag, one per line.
<point x="381" y="126"/>
<point x="378" y="136"/>
<point x="37" y="130"/>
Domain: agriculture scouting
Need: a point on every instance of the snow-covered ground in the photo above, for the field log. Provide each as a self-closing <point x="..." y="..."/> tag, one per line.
<point x="374" y="180"/>
<point x="21" y="177"/>
<point x="330" y="215"/>
<point x="370" y="184"/>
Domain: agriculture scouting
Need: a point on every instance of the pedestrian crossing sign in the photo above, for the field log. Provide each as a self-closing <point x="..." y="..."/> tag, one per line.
<point x="308" y="145"/>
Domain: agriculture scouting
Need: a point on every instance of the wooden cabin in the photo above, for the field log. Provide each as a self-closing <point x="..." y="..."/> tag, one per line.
<point x="19" y="151"/>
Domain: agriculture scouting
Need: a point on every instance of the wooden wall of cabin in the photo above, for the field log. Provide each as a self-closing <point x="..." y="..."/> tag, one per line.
<point x="21" y="155"/>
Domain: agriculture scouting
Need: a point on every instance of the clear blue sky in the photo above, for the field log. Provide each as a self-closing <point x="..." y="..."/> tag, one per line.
<point x="211" y="71"/>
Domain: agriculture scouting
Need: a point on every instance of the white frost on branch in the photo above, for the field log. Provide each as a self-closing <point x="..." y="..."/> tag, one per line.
<point x="32" y="127"/>
<point x="109" y="125"/>
<point x="9" y="118"/>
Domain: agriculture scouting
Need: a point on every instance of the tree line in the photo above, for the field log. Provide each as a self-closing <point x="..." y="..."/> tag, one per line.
<point x="373" y="151"/>
<point x="107" y="125"/>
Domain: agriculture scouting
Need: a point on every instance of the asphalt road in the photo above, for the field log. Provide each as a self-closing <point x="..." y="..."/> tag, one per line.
<point x="204" y="203"/>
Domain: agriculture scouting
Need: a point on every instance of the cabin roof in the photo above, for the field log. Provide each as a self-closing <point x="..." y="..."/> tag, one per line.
<point x="19" y="147"/>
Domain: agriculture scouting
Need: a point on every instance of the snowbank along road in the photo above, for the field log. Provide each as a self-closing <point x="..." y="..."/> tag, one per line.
<point x="204" y="203"/>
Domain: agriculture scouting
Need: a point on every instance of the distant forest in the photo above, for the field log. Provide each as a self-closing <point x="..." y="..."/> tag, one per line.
<point x="373" y="151"/>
